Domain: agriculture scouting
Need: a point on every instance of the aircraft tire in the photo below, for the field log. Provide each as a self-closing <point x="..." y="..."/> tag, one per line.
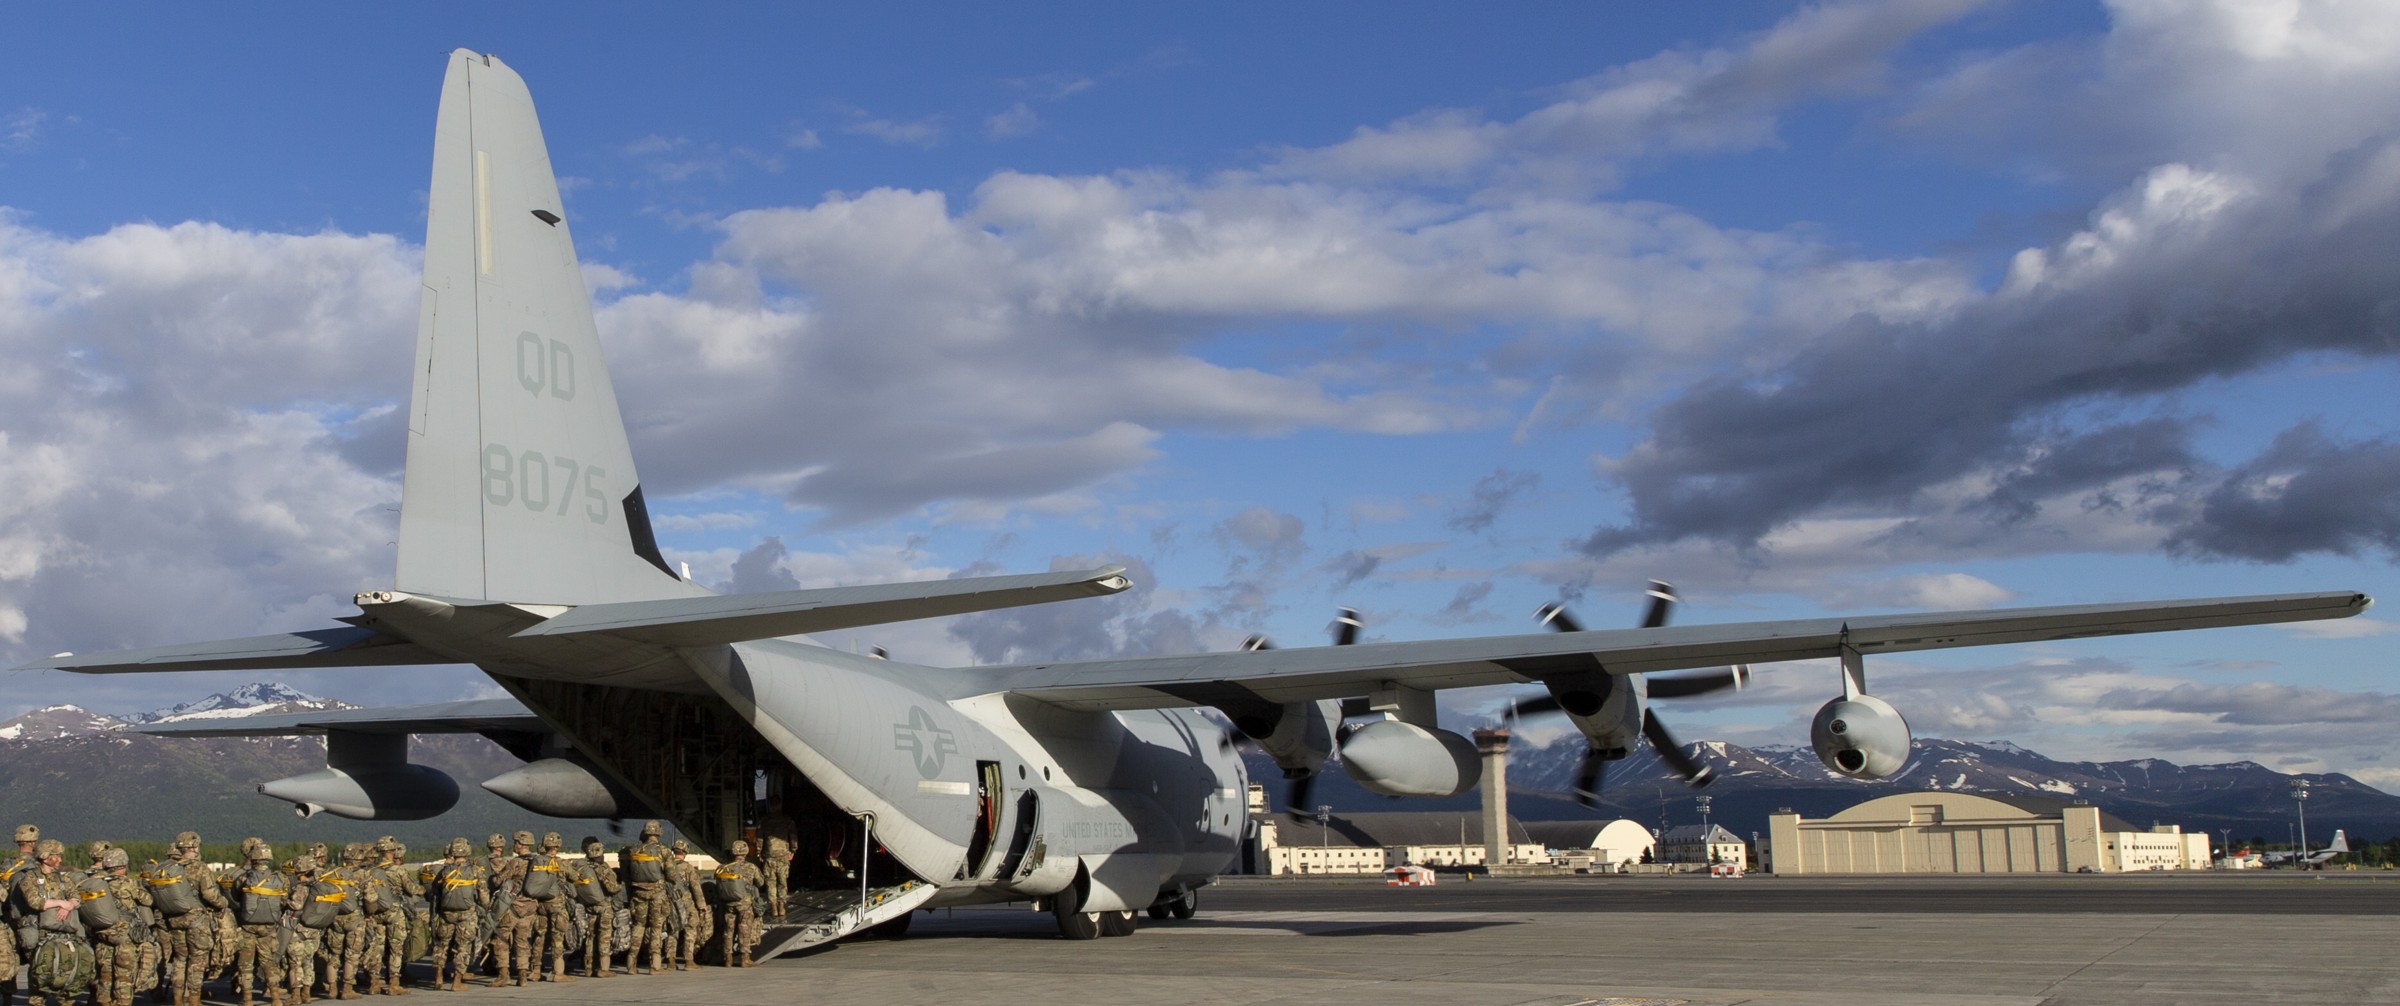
<point x="1159" y="911"/>
<point x="1119" y="923"/>
<point x="1185" y="906"/>
<point x="1073" y="922"/>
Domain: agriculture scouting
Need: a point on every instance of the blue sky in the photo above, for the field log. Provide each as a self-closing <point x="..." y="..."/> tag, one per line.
<point x="1433" y="312"/>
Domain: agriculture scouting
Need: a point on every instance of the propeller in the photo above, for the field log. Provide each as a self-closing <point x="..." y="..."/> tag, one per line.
<point x="1346" y="626"/>
<point x="1591" y="771"/>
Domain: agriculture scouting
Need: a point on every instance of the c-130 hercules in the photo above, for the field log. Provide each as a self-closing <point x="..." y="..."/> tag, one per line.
<point x="1094" y="789"/>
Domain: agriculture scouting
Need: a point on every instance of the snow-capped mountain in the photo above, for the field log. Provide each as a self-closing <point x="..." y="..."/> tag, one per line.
<point x="259" y="698"/>
<point x="54" y="722"/>
<point x="1753" y="782"/>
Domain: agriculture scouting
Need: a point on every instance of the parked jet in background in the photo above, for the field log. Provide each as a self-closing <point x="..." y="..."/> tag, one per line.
<point x="2306" y="860"/>
<point x="1096" y="789"/>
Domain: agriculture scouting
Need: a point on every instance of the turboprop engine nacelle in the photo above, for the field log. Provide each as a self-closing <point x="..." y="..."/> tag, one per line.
<point x="1403" y="759"/>
<point x="561" y="787"/>
<point x="1860" y="736"/>
<point x="1298" y="735"/>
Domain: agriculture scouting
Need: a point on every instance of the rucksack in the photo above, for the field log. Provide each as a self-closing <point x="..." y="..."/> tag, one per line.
<point x="170" y="892"/>
<point x="64" y="966"/>
<point x="541" y="877"/>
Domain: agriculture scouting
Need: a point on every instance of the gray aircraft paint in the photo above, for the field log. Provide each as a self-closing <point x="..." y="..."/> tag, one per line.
<point x="515" y="514"/>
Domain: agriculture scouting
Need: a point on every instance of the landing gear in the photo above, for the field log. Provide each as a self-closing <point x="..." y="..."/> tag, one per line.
<point x="1073" y="922"/>
<point x="1118" y="923"/>
<point x="1180" y="905"/>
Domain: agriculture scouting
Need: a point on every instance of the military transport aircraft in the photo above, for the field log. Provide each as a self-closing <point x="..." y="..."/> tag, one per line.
<point x="1095" y="790"/>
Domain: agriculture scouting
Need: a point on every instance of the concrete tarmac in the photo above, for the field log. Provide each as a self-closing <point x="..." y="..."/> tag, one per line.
<point x="2167" y="939"/>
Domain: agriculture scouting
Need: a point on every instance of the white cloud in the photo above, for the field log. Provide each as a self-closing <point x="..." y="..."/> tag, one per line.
<point x="922" y="133"/>
<point x="1017" y="120"/>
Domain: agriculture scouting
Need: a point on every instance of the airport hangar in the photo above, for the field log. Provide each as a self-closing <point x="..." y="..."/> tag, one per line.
<point x="1940" y="832"/>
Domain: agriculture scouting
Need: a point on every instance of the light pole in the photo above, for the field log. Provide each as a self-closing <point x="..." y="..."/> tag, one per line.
<point x="1324" y="814"/>
<point x="2228" y="851"/>
<point x="2300" y="801"/>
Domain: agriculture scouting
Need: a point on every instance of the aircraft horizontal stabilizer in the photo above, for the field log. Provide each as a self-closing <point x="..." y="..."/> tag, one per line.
<point x="342" y="647"/>
<point x="704" y="621"/>
<point x="474" y="716"/>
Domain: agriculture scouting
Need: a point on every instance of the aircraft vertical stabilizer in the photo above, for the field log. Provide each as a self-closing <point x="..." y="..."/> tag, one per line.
<point x="520" y="485"/>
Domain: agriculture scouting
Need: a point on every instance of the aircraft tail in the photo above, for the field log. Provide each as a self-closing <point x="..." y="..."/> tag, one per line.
<point x="2341" y="842"/>
<point x="520" y="485"/>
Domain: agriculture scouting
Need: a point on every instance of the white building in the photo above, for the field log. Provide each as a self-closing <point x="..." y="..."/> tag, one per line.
<point x="1693" y="845"/>
<point x="1364" y="844"/>
<point x="1597" y="846"/>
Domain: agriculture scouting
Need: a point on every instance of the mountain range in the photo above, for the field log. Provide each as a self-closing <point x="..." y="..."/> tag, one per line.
<point x="81" y="773"/>
<point x="2250" y="799"/>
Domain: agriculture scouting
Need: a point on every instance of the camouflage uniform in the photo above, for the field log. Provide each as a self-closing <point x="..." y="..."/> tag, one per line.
<point x="346" y="942"/>
<point x="496" y="860"/>
<point x="119" y="946"/>
<point x="542" y="912"/>
<point x="516" y="915"/>
<point x="596" y="888"/>
<point x="263" y="897"/>
<point x="48" y="893"/>
<point x="399" y="891"/>
<point x="460" y="891"/>
<point x="738" y="885"/>
<point x="645" y="868"/>
<point x="319" y="905"/>
<point x="778" y="868"/>
<point x="26" y="836"/>
<point x="689" y="909"/>
<point x="191" y="934"/>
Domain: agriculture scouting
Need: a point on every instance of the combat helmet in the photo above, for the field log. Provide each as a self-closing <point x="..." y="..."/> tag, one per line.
<point x="650" y="829"/>
<point x="49" y="847"/>
<point x="188" y="840"/>
<point x="459" y="847"/>
<point x="525" y="838"/>
<point x="116" y="859"/>
<point x="497" y="842"/>
<point x="740" y="848"/>
<point x="28" y="833"/>
<point x="551" y="841"/>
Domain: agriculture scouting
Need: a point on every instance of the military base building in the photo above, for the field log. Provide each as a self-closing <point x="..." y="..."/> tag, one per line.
<point x="1938" y="832"/>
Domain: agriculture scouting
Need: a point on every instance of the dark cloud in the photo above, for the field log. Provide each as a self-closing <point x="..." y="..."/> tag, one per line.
<point x="1353" y="566"/>
<point x="2186" y="278"/>
<point x="1491" y="494"/>
<point x="2305" y="493"/>
<point x="1465" y="607"/>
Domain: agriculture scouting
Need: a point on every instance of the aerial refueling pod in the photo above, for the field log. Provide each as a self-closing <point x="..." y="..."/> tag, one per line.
<point x="1860" y="736"/>
<point x="563" y="787"/>
<point x="367" y="777"/>
<point x="1395" y="758"/>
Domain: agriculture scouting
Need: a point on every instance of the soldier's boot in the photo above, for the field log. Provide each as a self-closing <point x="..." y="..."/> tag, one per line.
<point x="499" y="975"/>
<point x="558" y="971"/>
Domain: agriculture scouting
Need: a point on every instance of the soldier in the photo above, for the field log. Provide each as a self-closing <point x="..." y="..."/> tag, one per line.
<point x="542" y="912"/>
<point x="346" y="940"/>
<point x="111" y="905"/>
<point x="264" y="897"/>
<point x="46" y="896"/>
<point x="596" y="889"/>
<point x="495" y="862"/>
<point x="400" y="890"/>
<point x="26" y="836"/>
<point x="646" y="873"/>
<point x="515" y="914"/>
<point x="185" y="891"/>
<point x="320" y="904"/>
<point x="779" y="875"/>
<point x="738" y="884"/>
<point x="692" y="925"/>
<point x="460" y="892"/>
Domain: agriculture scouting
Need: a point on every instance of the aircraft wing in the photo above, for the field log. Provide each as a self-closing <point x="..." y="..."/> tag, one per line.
<point x="1293" y="675"/>
<point x="734" y="618"/>
<point x="342" y="647"/>
<point x="474" y="716"/>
